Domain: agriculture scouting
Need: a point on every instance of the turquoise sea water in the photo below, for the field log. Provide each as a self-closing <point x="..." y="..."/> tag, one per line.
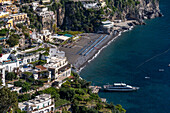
<point x="123" y="61"/>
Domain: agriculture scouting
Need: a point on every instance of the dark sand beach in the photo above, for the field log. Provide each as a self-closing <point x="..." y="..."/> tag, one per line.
<point x="80" y="52"/>
<point x="85" y="48"/>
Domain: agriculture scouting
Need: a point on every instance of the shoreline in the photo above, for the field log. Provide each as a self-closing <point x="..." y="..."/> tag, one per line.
<point x="113" y="38"/>
<point x="98" y="52"/>
<point x="89" y="46"/>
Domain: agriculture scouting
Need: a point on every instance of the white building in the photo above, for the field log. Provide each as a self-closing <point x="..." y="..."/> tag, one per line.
<point x="13" y="88"/>
<point x="6" y="2"/>
<point x="35" y="5"/>
<point x="54" y="52"/>
<point x="107" y="24"/>
<point x="35" y="37"/>
<point x="46" y="14"/>
<point x="10" y="65"/>
<point x="42" y="9"/>
<point x="45" y="35"/>
<point x="45" y="1"/>
<point x="59" y="38"/>
<point x="41" y="104"/>
<point x="59" y="67"/>
<point x="4" y="57"/>
<point x="9" y="62"/>
<point x="3" y="14"/>
<point x="27" y="58"/>
<point x="57" y="64"/>
<point x="90" y="5"/>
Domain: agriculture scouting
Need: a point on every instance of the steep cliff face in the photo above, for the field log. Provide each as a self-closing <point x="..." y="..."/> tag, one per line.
<point x="77" y="18"/>
<point x="138" y="10"/>
<point x="149" y="9"/>
<point x="60" y="15"/>
<point x="70" y="15"/>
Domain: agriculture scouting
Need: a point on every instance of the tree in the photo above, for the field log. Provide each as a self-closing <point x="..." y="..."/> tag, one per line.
<point x="26" y="86"/>
<point x="0" y="81"/>
<point x="53" y="91"/>
<point x="27" y="35"/>
<point x="18" y="83"/>
<point x="11" y="76"/>
<point x="20" y="25"/>
<point x="3" y="32"/>
<point x="8" y="100"/>
<point x="24" y="97"/>
<point x="13" y="40"/>
<point x="26" y="75"/>
<point x="67" y="93"/>
<point x="39" y="82"/>
<point x="99" y="106"/>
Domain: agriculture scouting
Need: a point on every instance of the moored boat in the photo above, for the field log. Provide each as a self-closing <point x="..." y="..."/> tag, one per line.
<point x="122" y="87"/>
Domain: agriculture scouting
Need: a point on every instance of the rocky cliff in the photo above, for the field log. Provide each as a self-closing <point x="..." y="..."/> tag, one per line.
<point x="116" y="9"/>
<point x="135" y="9"/>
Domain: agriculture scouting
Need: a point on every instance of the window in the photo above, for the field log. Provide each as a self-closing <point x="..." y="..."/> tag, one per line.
<point x="28" y="60"/>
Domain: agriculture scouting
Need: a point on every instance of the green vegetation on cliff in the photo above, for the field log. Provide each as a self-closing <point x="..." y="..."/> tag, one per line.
<point x="79" y="19"/>
<point x="8" y="100"/>
<point x="76" y="92"/>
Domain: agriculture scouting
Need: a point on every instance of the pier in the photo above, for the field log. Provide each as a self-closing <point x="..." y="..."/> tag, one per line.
<point x="95" y="89"/>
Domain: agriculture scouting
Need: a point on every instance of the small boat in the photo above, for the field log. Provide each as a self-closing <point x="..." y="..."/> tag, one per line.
<point x="122" y="87"/>
<point x="147" y="77"/>
<point x="169" y="65"/>
<point x="161" y="70"/>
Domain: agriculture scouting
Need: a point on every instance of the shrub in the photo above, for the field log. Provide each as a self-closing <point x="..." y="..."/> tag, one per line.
<point x="11" y="76"/>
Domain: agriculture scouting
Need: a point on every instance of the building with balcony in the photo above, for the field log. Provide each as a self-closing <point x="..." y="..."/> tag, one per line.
<point x="58" y="65"/>
<point x="28" y="58"/>
<point x="40" y="104"/>
<point x="10" y="65"/>
<point x="20" y="18"/>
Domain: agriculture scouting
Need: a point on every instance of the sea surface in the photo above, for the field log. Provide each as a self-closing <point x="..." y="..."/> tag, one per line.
<point x="137" y="54"/>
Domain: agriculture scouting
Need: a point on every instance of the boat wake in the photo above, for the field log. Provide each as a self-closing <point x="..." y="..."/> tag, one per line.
<point x="153" y="58"/>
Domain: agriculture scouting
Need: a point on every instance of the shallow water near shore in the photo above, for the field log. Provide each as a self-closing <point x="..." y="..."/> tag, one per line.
<point x="137" y="54"/>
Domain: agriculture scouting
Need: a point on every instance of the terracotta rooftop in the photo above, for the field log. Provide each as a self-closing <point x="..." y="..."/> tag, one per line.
<point x="42" y="68"/>
<point x="71" y="77"/>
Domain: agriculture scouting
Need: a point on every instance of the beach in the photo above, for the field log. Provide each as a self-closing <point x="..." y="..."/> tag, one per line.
<point x="86" y="48"/>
